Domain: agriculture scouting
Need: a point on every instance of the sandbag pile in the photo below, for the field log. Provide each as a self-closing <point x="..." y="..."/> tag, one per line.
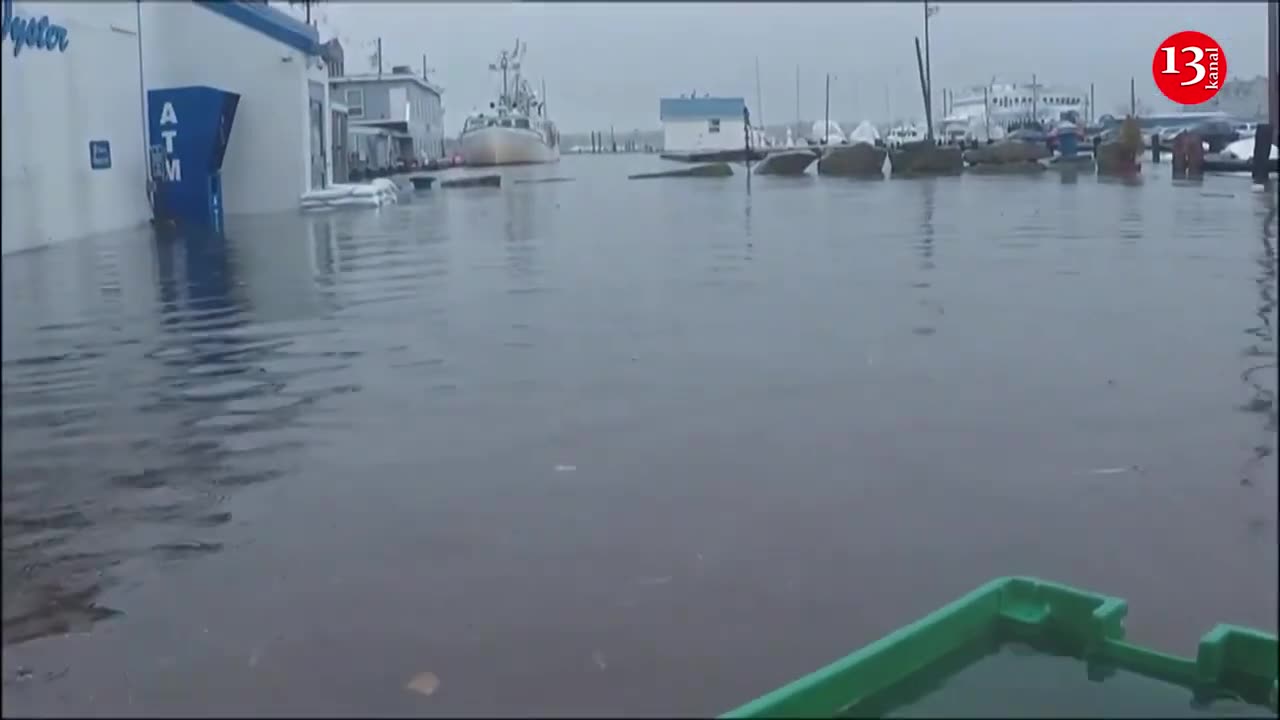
<point x="377" y="193"/>
<point x="1243" y="150"/>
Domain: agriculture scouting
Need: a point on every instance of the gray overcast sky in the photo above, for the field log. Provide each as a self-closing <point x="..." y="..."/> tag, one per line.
<point x="607" y="64"/>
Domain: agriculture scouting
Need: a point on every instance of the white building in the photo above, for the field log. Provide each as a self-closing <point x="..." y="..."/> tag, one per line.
<point x="279" y="145"/>
<point x="1241" y="99"/>
<point x="1010" y="104"/>
<point x="403" y="104"/>
<point x="75" y="146"/>
<point x="692" y="124"/>
<point x="72" y="85"/>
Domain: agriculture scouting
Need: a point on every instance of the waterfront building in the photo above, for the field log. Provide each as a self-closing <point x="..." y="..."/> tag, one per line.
<point x="73" y="147"/>
<point x="1005" y="106"/>
<point x="1241" y="99"/>
<point x="84" y="150"/>
<point x="695" y="124"/>
<point x="401" y="109"/>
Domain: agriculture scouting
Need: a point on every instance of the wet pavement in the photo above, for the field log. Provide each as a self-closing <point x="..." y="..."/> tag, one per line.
<point x="617" y="447"/>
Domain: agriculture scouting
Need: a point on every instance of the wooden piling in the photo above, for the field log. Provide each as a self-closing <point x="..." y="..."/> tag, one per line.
<point x="1187" y="156"/>
<point x="1261" y="154"/>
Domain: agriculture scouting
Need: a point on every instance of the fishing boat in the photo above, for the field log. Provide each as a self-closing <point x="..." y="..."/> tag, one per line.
<point x="516" y="128"/>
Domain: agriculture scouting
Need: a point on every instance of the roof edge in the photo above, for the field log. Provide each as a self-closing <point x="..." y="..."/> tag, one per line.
<point x="276" y="25"/>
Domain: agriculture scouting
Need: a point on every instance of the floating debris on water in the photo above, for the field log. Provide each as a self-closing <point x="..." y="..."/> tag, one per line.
<point x="539" y="181"/>
<point x="476" y="181"/>
<point x="717" y="170"/>
<point x="425" y="683"/>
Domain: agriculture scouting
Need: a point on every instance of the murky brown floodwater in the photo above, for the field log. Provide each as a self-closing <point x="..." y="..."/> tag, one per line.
<point x="623" y="447"/>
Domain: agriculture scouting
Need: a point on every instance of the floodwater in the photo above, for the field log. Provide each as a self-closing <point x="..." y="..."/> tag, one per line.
<point x="624" y="447"/>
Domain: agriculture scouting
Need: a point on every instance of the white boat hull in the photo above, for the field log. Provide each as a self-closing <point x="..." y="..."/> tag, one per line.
<point x="506" y="146"/>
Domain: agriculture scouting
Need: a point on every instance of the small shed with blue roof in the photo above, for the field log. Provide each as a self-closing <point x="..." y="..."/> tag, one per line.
<point x="691" y="123"/>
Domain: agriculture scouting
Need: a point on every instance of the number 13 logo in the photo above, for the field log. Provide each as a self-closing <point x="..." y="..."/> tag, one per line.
<point x="1189" y="67"/>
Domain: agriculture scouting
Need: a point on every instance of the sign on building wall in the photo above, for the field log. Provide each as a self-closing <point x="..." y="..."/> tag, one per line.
<point x="31" y="32"/>
<point x="100" y="154"/>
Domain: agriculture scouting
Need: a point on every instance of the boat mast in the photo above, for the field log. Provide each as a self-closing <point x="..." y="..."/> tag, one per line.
<point x="759" y="102"/>
<point x="929" y="10"/>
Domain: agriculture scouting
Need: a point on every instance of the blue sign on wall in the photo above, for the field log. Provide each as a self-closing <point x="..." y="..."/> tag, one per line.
<point x="100" y="154"/>
<point x="39" y="33"/>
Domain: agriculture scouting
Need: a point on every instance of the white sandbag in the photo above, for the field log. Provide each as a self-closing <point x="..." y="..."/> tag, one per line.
<point x="357" y="201"/>
<point x="329" y="193"/>
<point x="1243" y="150"/>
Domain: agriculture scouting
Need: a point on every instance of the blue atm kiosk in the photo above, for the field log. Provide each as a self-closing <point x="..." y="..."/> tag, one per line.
<point x="190" y="127"/>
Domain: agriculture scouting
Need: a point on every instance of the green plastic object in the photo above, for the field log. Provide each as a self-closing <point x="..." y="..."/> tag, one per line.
<point x="1021" y="646"/>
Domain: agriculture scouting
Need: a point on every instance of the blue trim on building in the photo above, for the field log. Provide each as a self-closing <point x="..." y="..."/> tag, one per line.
<point x="268" y="21"/>
<point x="703" y="108"/>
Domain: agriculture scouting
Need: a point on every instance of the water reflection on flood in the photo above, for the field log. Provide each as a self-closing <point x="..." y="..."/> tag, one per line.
<point x="565" y="445"/>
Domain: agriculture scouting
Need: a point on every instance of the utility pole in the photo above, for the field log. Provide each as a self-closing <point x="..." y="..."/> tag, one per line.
<point x="379" y="57"/>
<point x="1133" y="99"/>
<point x="1273" y="37"/>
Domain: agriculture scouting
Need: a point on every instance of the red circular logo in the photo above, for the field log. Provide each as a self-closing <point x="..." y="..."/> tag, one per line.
<point x="1189" y="67"/>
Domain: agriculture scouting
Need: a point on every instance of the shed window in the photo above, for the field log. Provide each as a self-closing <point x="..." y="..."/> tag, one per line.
<point x="355" y="102"/>
<point x="713" y="125"/>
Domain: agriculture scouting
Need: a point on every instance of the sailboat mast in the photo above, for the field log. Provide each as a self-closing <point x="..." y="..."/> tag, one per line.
<point x="928" y="67"/>
<point x="798" y="128"/>
<point x="759" y="102"/>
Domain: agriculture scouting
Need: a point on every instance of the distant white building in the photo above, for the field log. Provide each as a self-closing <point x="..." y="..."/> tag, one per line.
<point x="1241" y="99"/>
<point x="702" y="123"/>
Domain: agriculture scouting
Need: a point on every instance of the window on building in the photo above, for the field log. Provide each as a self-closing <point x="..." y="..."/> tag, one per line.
<point x="355" y="103"/>
<point x="713" y="125"/>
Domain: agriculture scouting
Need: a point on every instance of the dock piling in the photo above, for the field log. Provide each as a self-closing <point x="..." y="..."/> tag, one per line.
<point x="1261" y="154"/>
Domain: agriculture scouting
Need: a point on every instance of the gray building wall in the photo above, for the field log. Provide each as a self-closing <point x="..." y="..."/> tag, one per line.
<point x="1239" y="98"/>
<point x="371" y="100"/>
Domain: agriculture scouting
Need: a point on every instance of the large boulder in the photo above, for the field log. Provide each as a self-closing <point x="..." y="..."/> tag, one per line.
<point x="925" y="158"/>
<point x="708" y="170"/>
<point x="1118" y="158"/>
<point x="1006" y="151"/>
<point x="860" y="160"/>
<point x="786" y="162"/>
<point x="1029" y="167"/>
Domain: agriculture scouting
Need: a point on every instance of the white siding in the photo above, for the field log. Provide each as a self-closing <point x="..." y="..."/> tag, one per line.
<point x="691" y="135"/>
<point x="268" y="161"/>
<point x="54" y="104"/>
